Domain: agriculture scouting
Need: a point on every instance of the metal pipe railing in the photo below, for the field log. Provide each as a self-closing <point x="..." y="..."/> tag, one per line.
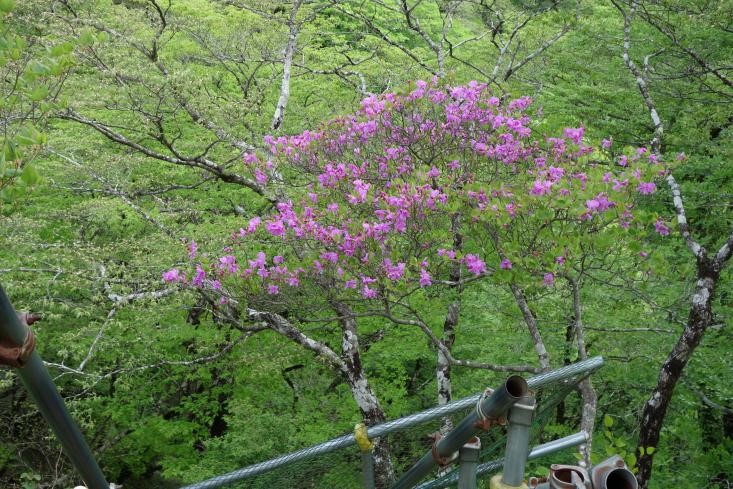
<point x="517" y="442"/>
<point x="451" y="479"/>
<point x="468" y="457"/>
<point x="38" y="382"/>
<point x="582" y="368"/>
<point x="492" y="406"/>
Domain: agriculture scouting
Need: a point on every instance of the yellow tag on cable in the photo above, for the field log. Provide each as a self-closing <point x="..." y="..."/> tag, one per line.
<point x="362" y="438"/>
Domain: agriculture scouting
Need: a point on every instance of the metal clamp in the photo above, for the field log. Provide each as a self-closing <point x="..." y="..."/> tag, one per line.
<point x="441" y="461"/>
<point x="361" y="435"/>
<point x="484" y="422"/>
<point x="14" y="355"/>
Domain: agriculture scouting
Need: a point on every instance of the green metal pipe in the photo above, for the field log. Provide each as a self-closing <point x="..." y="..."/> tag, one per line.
<point x="493" y="406"/>
<point x="517" y="441"/>
<point x="38" y="382"/>
<point x="468" y="457"/>
<point x="367" y="470"/>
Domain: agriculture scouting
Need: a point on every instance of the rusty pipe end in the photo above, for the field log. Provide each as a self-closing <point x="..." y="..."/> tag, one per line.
<point x="620" y="478"/>
<point x="516" y="386"/>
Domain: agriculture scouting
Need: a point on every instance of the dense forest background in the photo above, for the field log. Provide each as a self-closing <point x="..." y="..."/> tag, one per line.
<point x="125" y="126"/>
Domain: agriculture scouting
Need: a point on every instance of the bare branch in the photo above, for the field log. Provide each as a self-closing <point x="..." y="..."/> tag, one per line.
<point x="449" y="355"/>
<point x="684" y="228"/>
<point x="630" y="330"/>
<point x="369" y="23"/>
<point x="100" y="333"/>
<point x="707" y="401"/>
<point x="640" y="81"/>
<point x="669" y="32"/>
<point x="543" y="47"/>
<point x="283" y="327"/>
<point x="196" y="162"/>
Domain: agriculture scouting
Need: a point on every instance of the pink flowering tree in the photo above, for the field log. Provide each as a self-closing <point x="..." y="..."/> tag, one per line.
<point x="442" y="187"/>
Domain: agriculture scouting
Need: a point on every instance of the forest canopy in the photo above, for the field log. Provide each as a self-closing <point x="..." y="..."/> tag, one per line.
<point x="249" y="225"/>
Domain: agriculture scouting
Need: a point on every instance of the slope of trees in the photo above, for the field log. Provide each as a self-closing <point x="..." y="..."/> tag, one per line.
<point x="153" y="156"/>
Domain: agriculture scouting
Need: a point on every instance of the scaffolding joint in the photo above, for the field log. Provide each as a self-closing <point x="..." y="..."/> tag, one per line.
<point x="17" y="355"/>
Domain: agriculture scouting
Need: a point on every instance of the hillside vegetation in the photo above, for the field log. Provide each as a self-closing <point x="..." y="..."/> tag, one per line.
<point x="135" y="143"/>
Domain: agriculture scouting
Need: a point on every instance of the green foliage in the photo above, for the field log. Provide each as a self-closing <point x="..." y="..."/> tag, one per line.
<point x="156" y="419"/>
<point x="32" y="78"/>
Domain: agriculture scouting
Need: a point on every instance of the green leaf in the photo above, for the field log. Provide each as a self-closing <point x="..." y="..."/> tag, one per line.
<point x="10" y="153"/>
<point x="30" y="176"/>
<point x="607" y="421"/>
<point x="631" y="460"/>
<point x="39" y="93"/>
<point x="38" y="68"/>
<point x="7" y="5"/>
<point x="28" y="136"/>
<point x="86" y="38"/>
<point x="649" y="450"/>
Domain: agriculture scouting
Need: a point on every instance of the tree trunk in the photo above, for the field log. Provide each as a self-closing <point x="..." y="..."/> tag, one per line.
<point x="587" y="392"/>
<point x="534" y="332"/>
<point x="293" y="30"/>
<point x="371" y="411"/>
<point x="708" y="272"/>
<point x="443" y="367"/>
<point x="566" y="360"/>
<point x="349" y="365"/>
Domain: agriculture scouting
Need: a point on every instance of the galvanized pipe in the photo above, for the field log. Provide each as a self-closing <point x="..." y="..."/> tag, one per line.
<point x="517" y="441"/>
<point x="468" y="457"/>
<point x="492" y="406"/>
<point x="450" y="480"/>
<point x="367" y="470"/>
<point x="38" y="382"/>
<point x="583" y="368"/>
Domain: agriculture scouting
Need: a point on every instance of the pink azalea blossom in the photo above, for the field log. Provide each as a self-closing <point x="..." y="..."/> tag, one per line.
<point x="425" y="279"/>
<point x="433" y="173"/>
<point x="474" y="264"/>
<point x="549" y="279"/>
<point x="228" y="263"/>
<point x="368" y="293"/>
<point x="253" y="224"/>
<point x="661" y="228"/>
<point x="393" y="272"/>
<point x="259" y="261"/>
<point x="198" y="278"/>
<point x="276" y="228"/>
<point x="450" y="254"/>
<point x="541" y="187"/>
<point x="260" y="177"/>
<point x="574" y="134"/>
<point x="646" y="188"/>
<point x="172" y="275"/>
<point x="330" y="256"/>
